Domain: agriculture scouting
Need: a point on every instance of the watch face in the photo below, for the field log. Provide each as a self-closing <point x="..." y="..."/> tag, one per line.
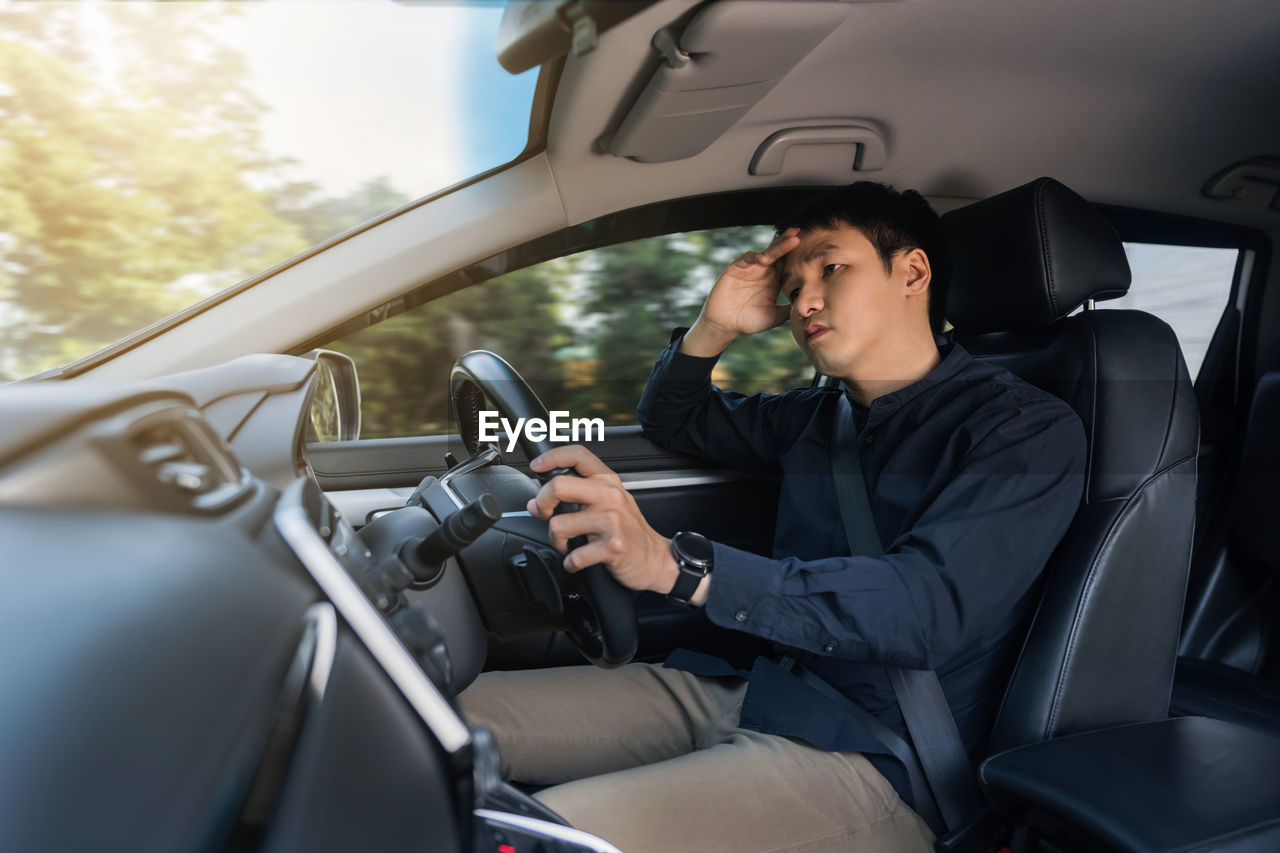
<point x="693" y="547"/>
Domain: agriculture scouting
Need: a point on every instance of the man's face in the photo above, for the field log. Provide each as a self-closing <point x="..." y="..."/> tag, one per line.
<point x="843" y="303"/>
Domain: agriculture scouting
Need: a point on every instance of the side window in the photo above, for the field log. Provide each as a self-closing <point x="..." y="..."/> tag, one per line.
<point x="1186" y="286"/>
<point x="583" y="330"/>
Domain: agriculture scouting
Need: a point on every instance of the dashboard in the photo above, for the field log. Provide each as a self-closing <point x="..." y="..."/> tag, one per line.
<point x="193" y="658"/>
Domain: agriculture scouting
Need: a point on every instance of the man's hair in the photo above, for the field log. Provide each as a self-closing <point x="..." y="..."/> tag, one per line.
<point x="892" y="221"/>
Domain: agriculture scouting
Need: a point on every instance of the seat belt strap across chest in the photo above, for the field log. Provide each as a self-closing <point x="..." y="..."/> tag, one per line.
<point x="932" y="728"/>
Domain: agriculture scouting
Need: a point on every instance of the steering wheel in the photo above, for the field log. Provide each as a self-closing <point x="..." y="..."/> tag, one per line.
<point x="602" y="614"/>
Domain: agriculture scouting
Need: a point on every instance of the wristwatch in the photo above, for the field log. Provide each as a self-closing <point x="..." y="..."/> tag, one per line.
<point x="695" y="558"/>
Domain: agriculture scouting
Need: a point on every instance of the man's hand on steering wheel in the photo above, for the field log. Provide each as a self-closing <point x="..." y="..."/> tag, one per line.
<point x="617" y="534"/>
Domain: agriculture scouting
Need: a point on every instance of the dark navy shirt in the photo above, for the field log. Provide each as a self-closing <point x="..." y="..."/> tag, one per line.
<point x="973" y="476"/>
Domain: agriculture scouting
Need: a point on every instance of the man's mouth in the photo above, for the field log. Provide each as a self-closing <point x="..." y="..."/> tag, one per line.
<point x="814" y="332"/>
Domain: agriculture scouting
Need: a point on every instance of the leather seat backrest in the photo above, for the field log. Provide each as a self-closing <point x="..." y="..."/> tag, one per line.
<point x="1235" y="619"/>
<point x="1256" y="498"/>
<point x="1102" y="644"/>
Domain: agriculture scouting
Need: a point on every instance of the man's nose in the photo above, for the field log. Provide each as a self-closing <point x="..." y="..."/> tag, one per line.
<point x="808" y="300"/>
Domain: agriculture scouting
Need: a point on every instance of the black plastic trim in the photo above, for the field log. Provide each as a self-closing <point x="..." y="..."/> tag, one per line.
<point x="1148" y="226"/>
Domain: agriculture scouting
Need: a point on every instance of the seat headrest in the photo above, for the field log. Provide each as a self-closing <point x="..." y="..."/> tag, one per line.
<point x="1028" y="257"/>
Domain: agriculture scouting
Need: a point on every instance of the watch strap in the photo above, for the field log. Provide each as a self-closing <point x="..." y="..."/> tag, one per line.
<point x="690" y="574"/>
<point x="686" y="583"/>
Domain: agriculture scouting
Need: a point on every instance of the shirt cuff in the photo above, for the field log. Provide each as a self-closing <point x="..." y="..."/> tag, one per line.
<point x="744" y="590"/>
<point x="686" y="368"/>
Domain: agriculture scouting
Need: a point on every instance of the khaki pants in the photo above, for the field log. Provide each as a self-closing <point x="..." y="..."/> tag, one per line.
<point x="652" y="760"/>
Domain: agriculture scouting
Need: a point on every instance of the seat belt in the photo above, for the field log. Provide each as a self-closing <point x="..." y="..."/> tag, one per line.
<point x="921" y="794"/>
<point x="941" y="753"/>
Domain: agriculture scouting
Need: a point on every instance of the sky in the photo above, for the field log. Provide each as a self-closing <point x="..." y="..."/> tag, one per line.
<point x="361" y="89"/>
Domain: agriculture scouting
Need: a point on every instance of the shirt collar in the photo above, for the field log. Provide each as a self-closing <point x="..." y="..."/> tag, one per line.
<point x="954" y="359"/>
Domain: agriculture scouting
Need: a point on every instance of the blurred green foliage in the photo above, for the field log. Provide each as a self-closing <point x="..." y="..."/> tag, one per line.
<point x="125" y="194"/>
<point x="133" y="179"/>
<point x="583" y="330"/>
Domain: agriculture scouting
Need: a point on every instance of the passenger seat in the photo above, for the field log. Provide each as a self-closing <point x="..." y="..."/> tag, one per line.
<point x="1242" y="684"/>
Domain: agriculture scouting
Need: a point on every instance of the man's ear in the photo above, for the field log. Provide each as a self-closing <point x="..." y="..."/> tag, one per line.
<point x="919" y="273"/>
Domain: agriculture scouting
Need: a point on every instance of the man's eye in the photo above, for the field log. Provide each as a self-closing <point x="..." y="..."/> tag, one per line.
<point x="830" y="268"/>
<point x="793" y="295"/>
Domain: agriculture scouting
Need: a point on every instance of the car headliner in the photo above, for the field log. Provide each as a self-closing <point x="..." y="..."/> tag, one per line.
<point x="1136" y="104"/>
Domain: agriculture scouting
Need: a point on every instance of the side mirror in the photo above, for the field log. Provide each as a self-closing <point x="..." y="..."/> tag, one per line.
<point x="335" y="404"/>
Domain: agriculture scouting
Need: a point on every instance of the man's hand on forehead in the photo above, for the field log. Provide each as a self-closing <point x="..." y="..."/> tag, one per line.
<point x="744" y="300"/>
<point x="769" y="258"/>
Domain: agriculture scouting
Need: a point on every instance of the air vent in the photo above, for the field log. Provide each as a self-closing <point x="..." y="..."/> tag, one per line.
<point x="191" y="466"/>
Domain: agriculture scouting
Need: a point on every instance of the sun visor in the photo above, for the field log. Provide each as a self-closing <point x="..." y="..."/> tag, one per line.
<point x="728" y="57"/>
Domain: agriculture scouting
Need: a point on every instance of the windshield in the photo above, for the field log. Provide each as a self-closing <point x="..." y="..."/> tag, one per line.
<point x="153" y="154"/>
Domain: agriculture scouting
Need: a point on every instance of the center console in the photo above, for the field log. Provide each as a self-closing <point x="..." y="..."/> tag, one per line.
<point x="1182" y="784"/>
<point x="502" y="818"/>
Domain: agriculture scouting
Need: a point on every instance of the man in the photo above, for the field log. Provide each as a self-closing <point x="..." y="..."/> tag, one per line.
<point x="973" y="477"/>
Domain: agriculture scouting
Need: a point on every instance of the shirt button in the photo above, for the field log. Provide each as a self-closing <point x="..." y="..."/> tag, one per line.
<point x="868" y="438"/>
<point x="740" y="616"/>
<point x="829" y="648"/>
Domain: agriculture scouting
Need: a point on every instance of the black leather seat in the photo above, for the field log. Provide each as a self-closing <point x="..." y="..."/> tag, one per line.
<point x="1205" y="688"/>
<point x="1241" y="681"/>
<point x="1102" y="645"/>
<point x="1085" y="756"/>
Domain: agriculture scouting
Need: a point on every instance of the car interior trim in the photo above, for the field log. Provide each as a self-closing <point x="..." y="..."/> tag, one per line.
<point x="727" y="57"/>
<point x="639" y="482"/>
<point x="1245" y="275"/>
<point x="868" y="142"/>
<point x="364" y="505"/>
<point x="361" y="506"/>
<point x="1136" y="225"/>
<point x="481" y="459"/>
<point x="325" y="620"/>
<point x="303" y="688"/>
<point x="369" y="626"/>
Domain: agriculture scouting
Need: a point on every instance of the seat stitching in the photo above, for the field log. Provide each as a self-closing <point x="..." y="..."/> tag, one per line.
<point x="1018" y="666"/>
<point x="1055" y="705"/>
<point x="1046" y="252"/>
<point x="1173" y="405"/>
<point x="1093" y="405"/>
<point x="1090" y="582"/>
